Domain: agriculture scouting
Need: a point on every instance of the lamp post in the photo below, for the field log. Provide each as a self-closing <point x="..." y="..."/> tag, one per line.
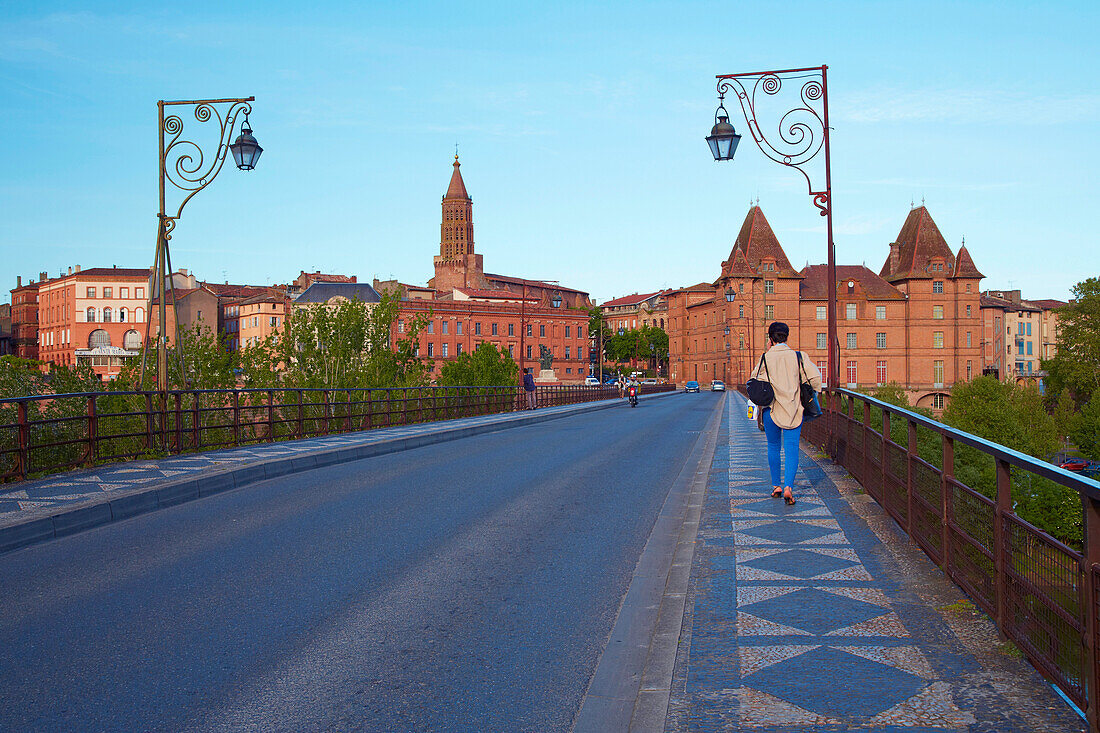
<point x="803" y="132"/>
<point x="183" y="164"/>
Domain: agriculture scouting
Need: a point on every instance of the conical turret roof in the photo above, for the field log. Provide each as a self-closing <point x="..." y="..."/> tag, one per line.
<point x="964" y="264"/>
<point x="757" y="241"/>
<point x="457" y="187"/>
<point x="918" y="243"/>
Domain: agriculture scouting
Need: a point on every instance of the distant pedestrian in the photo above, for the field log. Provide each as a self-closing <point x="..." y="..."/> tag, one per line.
<point x="782" y="419"/>
<point x="529" y="389"/>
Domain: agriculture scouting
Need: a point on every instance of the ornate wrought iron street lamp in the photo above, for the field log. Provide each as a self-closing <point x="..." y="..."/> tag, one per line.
<point x="556" y="300"/>
<point x="185" y="166"/>
<point x="803" y="132"/>
<point x="731" y="295"/>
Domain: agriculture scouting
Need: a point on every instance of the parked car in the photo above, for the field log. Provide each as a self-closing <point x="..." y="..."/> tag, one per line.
<point x="1077" y="464"/>
<point x="717" y="386"/>
<point x="591" y="382"/>
<point x="691" y="386"/>
<point x="649" y="381"/>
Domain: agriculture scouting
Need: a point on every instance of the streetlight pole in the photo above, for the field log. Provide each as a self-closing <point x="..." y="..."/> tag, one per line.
<point x="803" y="131"/>
<point x="182" y="164"/>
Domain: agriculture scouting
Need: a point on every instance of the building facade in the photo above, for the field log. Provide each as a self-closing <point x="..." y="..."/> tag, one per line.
<point x="24" y="318"/>
<point x="916" y="322"/>
<point x="95" y="317"/>
<point x="1019" y="334"/>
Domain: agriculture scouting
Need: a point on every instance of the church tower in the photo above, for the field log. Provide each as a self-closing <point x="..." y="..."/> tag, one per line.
<point x="457" y="266"/>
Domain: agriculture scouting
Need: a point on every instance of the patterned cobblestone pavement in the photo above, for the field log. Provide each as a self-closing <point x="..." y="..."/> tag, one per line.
<point x="52" y="492"/>
<point x="806" y="618"/>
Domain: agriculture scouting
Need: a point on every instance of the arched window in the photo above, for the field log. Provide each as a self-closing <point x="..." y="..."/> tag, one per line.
<point x="122" y="315"/>
<point x="98" y="338"/>
<point x="90" y="317"/>
<point x="107" y="315"/>
<point x="139" y="315"/>
<point x="132" y="340"/>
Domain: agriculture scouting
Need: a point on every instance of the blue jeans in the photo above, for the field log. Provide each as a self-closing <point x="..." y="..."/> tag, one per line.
<point x="788" y="437"/>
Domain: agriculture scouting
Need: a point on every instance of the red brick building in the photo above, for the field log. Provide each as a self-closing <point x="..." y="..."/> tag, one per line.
<point x="469" y="305"/>
<point x="24" y="319"/>
<point x="915" y="322"/>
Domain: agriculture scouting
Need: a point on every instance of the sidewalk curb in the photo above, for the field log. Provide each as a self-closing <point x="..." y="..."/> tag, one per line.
<point x="125" y="504"/>
<point x="632" y="684"/>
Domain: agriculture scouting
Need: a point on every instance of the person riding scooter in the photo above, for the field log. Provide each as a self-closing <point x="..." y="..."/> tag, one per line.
<point x="632" y="393"/>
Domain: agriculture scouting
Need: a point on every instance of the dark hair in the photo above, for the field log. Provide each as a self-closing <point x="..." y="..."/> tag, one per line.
<point x="778" y="332"/>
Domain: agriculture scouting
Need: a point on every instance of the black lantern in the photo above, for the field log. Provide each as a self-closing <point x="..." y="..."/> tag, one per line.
<point x="621" y="330"/>
<point x="727" y="330"/>
<point x="723" y="138"/>
<point x="556" y="301"/>
<point x="731" y="295"/>
<point x="246" y="151"/>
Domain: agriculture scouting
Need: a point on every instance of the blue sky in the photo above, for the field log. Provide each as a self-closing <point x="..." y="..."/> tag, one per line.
<point x="580" y="127"/>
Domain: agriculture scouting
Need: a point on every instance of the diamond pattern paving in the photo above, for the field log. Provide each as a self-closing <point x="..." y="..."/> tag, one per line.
<point x="837" y="684"/>
<point x="800" y="563"/>
<point x="815" y="610"/>
<point x="788" y="531"/>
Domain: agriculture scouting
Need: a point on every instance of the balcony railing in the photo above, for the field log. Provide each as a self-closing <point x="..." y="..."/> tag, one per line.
<point x="1043" y="594"/>
<point x="45" y="434"/>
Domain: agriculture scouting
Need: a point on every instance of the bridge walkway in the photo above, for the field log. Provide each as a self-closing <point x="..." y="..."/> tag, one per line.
<point x="823" y="616"/>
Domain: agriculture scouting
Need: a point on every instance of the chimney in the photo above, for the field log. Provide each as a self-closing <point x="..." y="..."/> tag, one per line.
<point x="42" y="277"/>
<point x="78" y="269"/>
<point x="70" y="269"/>
<point x="895" y="257"/>
<point x="354" y="278"/>
<point x="18" y="281"/>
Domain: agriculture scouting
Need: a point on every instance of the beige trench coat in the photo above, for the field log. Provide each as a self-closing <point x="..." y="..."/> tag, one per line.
<point x="786" y="380"/>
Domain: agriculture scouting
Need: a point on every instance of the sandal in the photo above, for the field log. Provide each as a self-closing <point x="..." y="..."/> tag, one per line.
<point x="777" y="492"/>
<point x="788" y="496"/>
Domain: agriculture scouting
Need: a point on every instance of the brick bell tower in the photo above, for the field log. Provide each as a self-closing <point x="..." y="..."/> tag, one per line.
<point x="456" y="265"/>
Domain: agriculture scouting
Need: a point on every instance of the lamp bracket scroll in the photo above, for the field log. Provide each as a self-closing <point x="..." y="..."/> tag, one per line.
<point x="792" y="104"/>
<point x="183" y="163"/>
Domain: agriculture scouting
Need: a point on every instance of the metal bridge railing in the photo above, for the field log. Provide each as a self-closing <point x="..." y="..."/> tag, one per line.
<point x="49" y="433"/>
<point x="1043" y="594"/>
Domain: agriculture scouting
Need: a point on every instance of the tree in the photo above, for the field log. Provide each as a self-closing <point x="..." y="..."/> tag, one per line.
<point x="484" y="366"/>
<point x="341" y="345"/>
<point x="207" y="364"/>
<point x="1086" y="431"/>
<point x="1014" y="416"/>
<point x="1076" y="366"/>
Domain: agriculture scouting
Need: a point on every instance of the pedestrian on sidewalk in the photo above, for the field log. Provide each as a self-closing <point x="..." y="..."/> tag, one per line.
<point x="529" y="389"/>
<point x="783" y="417"/>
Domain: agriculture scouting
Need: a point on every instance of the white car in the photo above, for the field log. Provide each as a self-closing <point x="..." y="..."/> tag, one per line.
<point x="717" y="386"/>
<point x="591" y="382"/>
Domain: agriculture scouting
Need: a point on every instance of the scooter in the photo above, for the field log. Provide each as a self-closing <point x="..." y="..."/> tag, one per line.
<point x="632" y="393"/>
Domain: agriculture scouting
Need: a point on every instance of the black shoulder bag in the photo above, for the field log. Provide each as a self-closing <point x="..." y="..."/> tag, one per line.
<point x="761" y="392"/>
<point x="811" y="408"/>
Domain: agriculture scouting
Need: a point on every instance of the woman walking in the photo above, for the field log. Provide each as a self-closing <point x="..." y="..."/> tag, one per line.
<point x="782" y="419"/>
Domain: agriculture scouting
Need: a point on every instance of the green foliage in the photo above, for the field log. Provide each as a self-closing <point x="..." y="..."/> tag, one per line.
<point x="635" y="344"/>
<point x="1086" y="431"/>
<point x="1065" y="415"/>
<point x="338" y="346"/>
<point x="484" y="366"/>
<point x="1013" y="415"/>
<point x="206" y="364"/>
<point x="1076" y="366"/>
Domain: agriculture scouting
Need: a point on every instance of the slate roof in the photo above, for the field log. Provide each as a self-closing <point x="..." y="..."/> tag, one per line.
<point x="919" y="241"/>
<point x="457" y="187"/>
<point x="495" y="294"/>
<point x="234" y="291"/>
<point x="531" y="283"/>
<point x="815" y="285"/>
<point x="757" y="240"/>
<point x="322" y="292"/>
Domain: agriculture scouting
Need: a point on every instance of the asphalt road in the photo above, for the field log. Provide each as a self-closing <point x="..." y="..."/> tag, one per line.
<point x="466" y="586"/>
